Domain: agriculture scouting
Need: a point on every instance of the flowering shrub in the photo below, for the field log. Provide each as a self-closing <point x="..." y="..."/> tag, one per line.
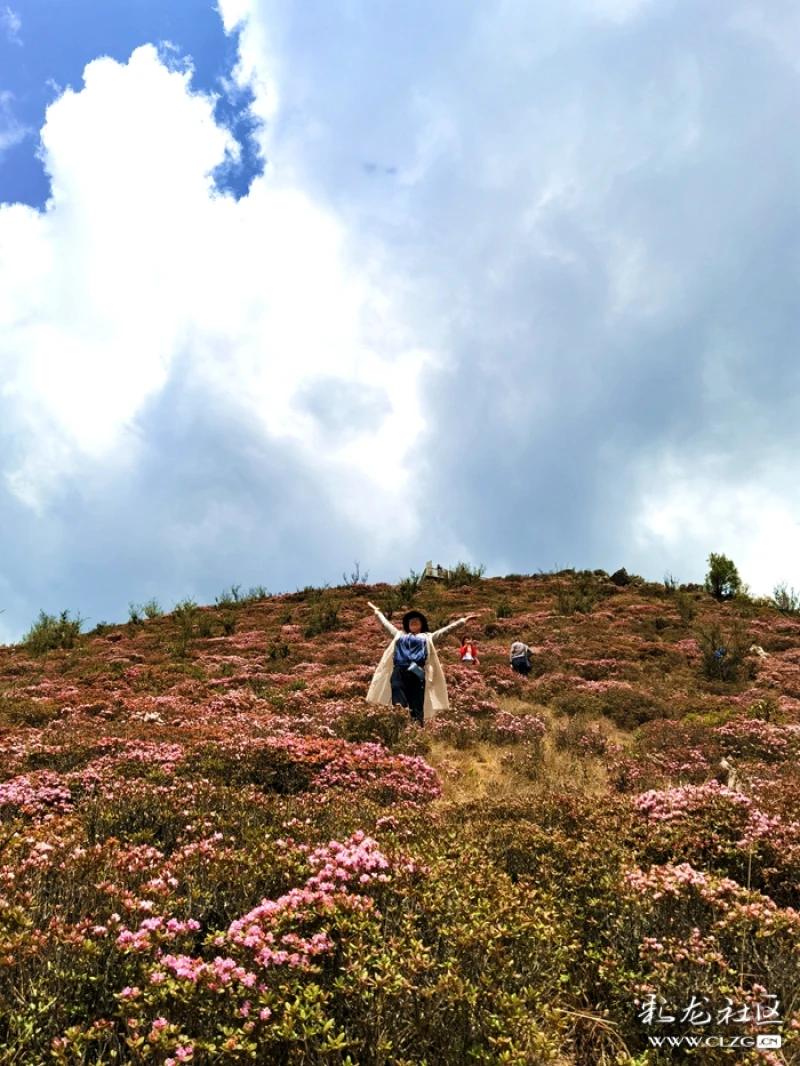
<point x="754" y="739"/>
<point x="508" y="728"/>
<point x="581" y="736"/>
<point x="291" y="764"/>
<point x="383" y="725"/>
<point x="305" y="970"/>
<point x="457" y="728"/>
<point x="713" y="827"/>
<point x="700" y="929"/>
<point x="34" y="794"/>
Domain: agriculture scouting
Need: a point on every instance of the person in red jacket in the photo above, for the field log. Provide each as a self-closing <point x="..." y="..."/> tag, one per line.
<point x="469" y="653"/>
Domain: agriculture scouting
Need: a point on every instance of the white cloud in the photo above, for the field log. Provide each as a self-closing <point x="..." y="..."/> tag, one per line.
<point x="12" y="24"/>
<point x="138" y="262"/>
<point x="11" y="131"/>
<point x="575" y="250"/>
<point x="754" y="520"/>
<point x="592" y="214"/>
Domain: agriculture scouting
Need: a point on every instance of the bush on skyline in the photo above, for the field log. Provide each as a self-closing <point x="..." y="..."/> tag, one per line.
<point x="464" y="574"/>
<point x="49" y="633"/>
<point x="578" y="595"/>
<point x="185" y="614"/>
<point x="786" y="600"/>
<point x="408" y="587"/>
<point x="722" y="579"/>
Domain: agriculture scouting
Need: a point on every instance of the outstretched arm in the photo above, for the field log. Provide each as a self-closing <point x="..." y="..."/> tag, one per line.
<point x="453" y="625"/>
<point x="384" y="621"/>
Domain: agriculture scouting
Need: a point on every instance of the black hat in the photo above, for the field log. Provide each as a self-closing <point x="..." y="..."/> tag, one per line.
<point x="415" y="614"/>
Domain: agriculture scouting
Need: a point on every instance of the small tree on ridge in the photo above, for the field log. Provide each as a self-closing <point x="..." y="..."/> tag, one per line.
<point x="722" y="579"/>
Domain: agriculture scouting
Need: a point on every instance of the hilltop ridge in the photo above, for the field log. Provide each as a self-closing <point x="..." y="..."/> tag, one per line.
<point x="632" y="653"/>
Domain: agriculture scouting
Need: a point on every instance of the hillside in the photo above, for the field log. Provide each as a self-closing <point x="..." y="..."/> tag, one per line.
<point x="213" y="850"/>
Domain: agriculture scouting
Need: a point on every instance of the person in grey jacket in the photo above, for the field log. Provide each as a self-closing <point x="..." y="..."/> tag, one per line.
<point x="521" y="658"/>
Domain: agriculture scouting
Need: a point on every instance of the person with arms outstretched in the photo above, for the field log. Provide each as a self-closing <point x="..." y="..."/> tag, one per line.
<point x="409" y="674"/>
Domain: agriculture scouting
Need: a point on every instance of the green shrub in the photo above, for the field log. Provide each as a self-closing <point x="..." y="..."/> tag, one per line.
<point x="408" y="587"/>
<point x="324" y="618"/>
<point x="577" y="704"/>
<point x="49" y="633"/>
<point x="582" y="735"/>
<point x="710" y="719"/>
<point x="392" y="601"/>
<point x="542" y="662"/>
<point x="722" y="579"/>
<point x="373" y="725"/>
<point x="228" y="596"/>
<point x="205" y="625"/>
<point x="577" y="596"/>
<point x="652" y="589"/>
<point x="412" y="741"/>
<point x="278" y="649"/>
<point x="21" y="710"/>
<point x="152" y="609"/>
<point x="749" y="606"/>
<point x="787" y="601"/>
<point x="731" y="665"/>
<point x="255" y="593"/>
<point x="767" y="709"/>
<point x="626" y="708"/>
<point x="185" y="614"/>
<point x="356" y="577"/>
<point x="312" y="594"/>
<point x="686" y="607"/>
<point x="504" y="609"/>
<point x="464" y="574"/>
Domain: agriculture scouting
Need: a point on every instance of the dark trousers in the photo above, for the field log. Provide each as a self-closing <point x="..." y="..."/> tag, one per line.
<point x="521" y="665"/>
<point x="408" y="691"/>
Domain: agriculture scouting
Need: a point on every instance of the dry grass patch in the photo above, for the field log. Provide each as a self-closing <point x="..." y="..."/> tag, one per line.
<point x="480" y="772"/>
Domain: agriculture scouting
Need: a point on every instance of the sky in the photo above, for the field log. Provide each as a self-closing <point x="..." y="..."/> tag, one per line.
<point x="288" y="286"/>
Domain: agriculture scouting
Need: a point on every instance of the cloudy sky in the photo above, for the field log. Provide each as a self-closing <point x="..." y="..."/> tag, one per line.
<point x="284" y="286"/>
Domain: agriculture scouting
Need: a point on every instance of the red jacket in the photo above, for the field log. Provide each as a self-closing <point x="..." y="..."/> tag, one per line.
<point x="473" y="651"/>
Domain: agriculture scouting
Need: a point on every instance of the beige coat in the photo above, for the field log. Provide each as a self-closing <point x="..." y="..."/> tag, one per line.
<point x="380" y="691"/>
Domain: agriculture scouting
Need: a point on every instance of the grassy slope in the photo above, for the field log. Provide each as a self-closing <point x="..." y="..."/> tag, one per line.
<point x="622" y="690"/>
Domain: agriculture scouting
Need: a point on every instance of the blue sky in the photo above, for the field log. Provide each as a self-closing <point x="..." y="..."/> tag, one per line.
<point x="508" y="283"/>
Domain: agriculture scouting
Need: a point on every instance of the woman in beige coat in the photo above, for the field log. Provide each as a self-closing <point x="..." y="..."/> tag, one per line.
<point x="410" y="675"/>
